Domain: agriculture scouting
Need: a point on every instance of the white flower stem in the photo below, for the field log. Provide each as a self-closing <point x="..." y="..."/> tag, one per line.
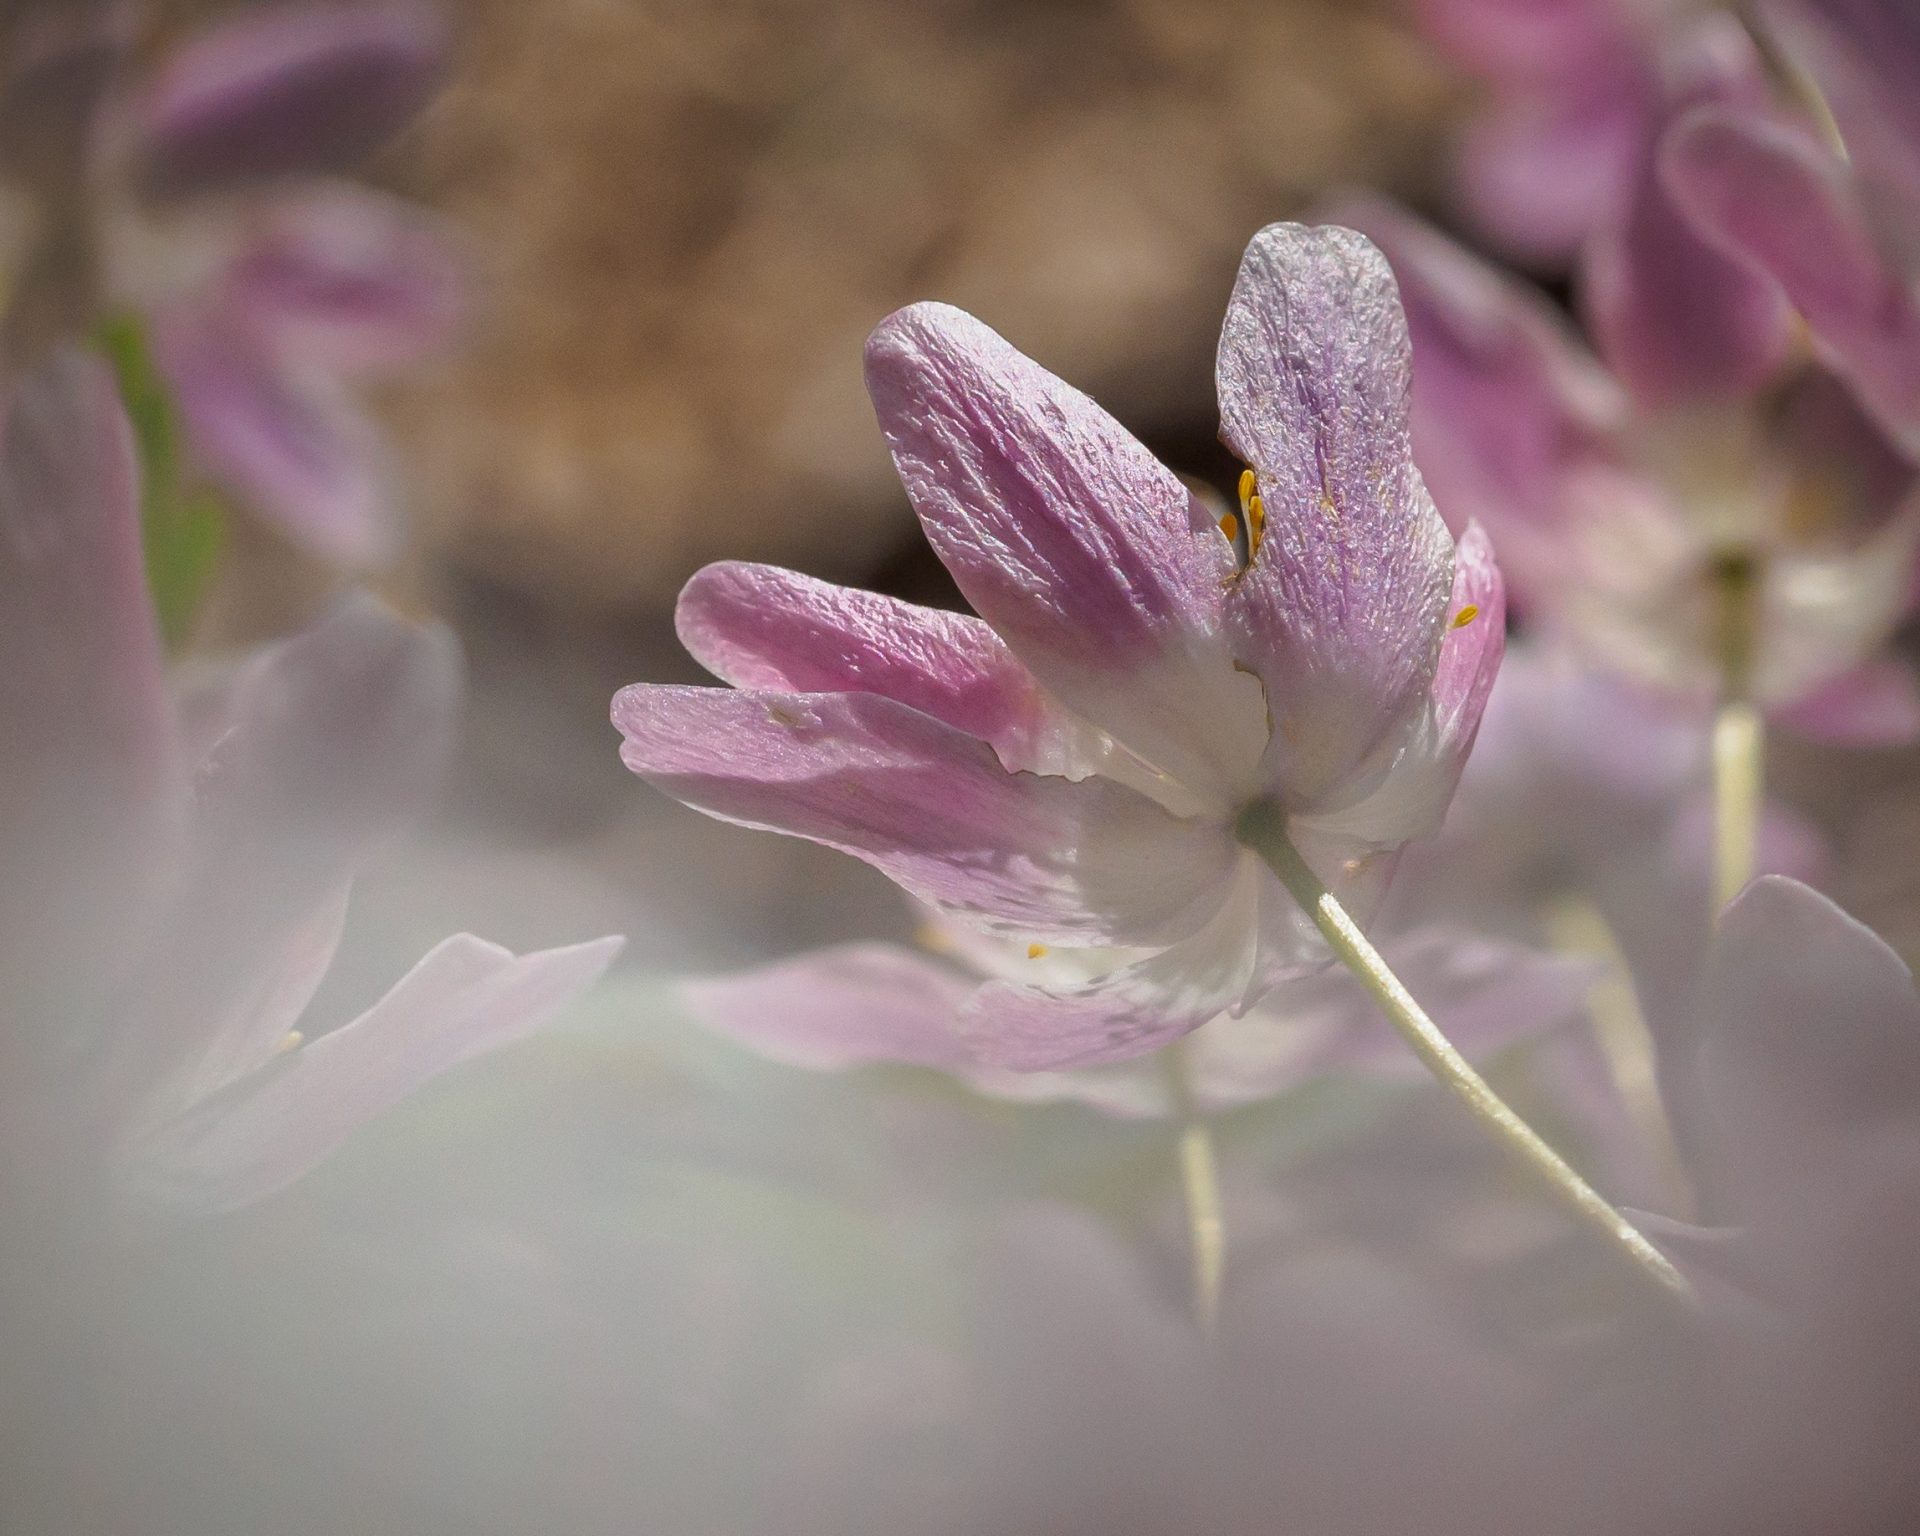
<point x="1738" y="787"/>
<point x="1263" y="828"/>
<point x="1199" y="1188"/>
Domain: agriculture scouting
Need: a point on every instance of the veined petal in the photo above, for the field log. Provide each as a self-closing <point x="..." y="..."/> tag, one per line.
<point x="345" y="281"/>
<point x="844" y="1007"/>
<point x="1089" y="557"/>
<point x="1507" y="401"/>
<point x="466" y="997"/>
<point x="1129" y="1012"/>
<point x="297" y="450"/>
<point x="1033" y="856"/>
<point x="760" y="627"/>
<point x="1763" y="188"/>
<point x="287" y="90"/>
<point x="1340" y="610"/>
<point x="1675" y="316"/>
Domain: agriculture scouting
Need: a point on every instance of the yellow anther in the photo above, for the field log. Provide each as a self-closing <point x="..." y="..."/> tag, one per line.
<point x="1466" y="616"/>
<point x="1230" y="526"/>
<point x="292" y="1041"/>
<point x="1249" y="484"/>
<point x="1256" y="525"/>
<point x="1035" y="951"/>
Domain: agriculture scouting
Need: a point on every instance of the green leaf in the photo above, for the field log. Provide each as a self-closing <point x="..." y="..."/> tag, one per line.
<point x="184" y="527"/>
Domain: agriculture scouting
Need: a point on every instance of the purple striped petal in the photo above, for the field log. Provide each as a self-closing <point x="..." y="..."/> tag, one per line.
<point x="1340" y="611"/>
<point x="466" y="997"/>
<point x="346" y="282"/>
<point x="1763" y="188"/>
<point x="1036" y="857"/>
<point x="1130" y="1012"/>
<point x="295" y="449"/>
<point x="287" y="90"/>
<point x="1097" y="566"/>
<point x="844" y="1007"/>
<point x="1674" y="316"/>
<point x="760" y="627"/>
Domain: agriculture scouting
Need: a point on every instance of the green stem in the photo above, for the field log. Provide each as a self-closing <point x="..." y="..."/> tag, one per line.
<point x="1200" y="1189"/>
<point x="1263" y="828"/>
<point x="1738" y="780"/>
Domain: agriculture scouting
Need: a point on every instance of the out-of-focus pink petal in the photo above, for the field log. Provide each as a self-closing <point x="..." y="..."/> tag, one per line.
<point x="843" y="1007"/>
<point x="345" y="282"/>
<point x="286" y="90"/>
<point x="466" y="997"/>
<point x="1544" y="167"/>
<point x="1527" y="39"/>
<point x="89" y="772"/>
<point x="1824" y="612"/>
<point x="760" y="627"/>
<point x="294" y="447"/>
<point x="1340" y="610"/>
<point x="1129" y="1012"/>
<point x="1035" y="857"/>
<point x="1877" y="704"/>
<point x="1089" y="557"/>
<point x="1765" y="189"/>
<point x="1675" y="316"/>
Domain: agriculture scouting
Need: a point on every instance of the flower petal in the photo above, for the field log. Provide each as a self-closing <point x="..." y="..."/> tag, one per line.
<point x="287" y="90"/>
<point x="1097" y="566"/>
<point x="1763" y="188"/>
<point x="1877" y="704"/>
<point x="1674" y="316"/>
<point x="466" y="997"/>
<point x="1340" y="610"/>
<point x="297" y="450"/>
<point x="1035" y="857"/>
<point x="1129" y="1012"/>
<point x="842" y="1007"/>
<point x="760" y="627"/>
<point x="346" y="282"/>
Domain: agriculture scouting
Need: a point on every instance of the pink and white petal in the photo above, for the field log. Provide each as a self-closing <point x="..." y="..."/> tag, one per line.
<point x="1674" y="315"/>
<point x="1032" y="856"/>
<point x="849" y="1006"/>
<point x="1764" y="189"/>
<point x="1486" y="995"/>
<point x="1127" y="1013"/>
<point x="466" y="997"/>
<point x="1825" y="612"/>
<point x="297" y="451"/>
<point x="760" y="627"/>
<point x="91" y="782"/>
<point x="286" y="90"/>
<point x="1340" y="611"/>
<point x="1877" y="704"/>
<point x="345" y="282"/>
<point x="1506" y="398"/>
<point x="1096" y="565"/>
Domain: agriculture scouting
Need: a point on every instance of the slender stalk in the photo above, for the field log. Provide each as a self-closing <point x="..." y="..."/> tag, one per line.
<point x="1200" y="1189"/>
<point x="1263" y="828"/>
<point x="1738" y="779"/>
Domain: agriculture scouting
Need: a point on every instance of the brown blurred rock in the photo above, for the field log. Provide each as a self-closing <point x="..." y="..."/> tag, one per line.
<point x="687" y="214"/>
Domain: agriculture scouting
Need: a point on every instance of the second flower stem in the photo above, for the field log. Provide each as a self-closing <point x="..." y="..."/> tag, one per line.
<point x="1263" y="828"/>
<point x="1738" y="778"/>
<point x="1199" y="1188"/>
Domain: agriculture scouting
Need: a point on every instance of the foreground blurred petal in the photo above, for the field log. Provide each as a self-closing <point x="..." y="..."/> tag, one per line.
<point x="467" y="996"/>
<point x="1098" y="567"/>
<point x="1036" y="857"/>
<point x="1340" y="610"/>
<point x="760" y="627"/>
<point x="287" y="90"/>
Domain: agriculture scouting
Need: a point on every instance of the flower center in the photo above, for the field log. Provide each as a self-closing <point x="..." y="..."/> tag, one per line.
<point x="1252" y="517"/>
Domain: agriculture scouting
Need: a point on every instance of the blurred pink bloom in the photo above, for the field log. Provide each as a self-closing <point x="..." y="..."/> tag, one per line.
<point x="867" y="1003"/>
<point x="180" y="874"/>
<point x="271" y="287"/>
<point x="1068" y="768"/>
<point x="1618" y="516"/>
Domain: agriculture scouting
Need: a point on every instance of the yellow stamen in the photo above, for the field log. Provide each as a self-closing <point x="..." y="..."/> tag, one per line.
<point x="1249" y="484"/>
<point x="1466" y="616"/>
<point x="1035" y="951"/>
<point x="1256" y="526"/>
<point x="292" y="1042"/>
<point x="1230" y="526"/>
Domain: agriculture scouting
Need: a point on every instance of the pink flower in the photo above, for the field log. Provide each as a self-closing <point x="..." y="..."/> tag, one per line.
<point x="1068" y="768"/>
<point x="176" y="876"/>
